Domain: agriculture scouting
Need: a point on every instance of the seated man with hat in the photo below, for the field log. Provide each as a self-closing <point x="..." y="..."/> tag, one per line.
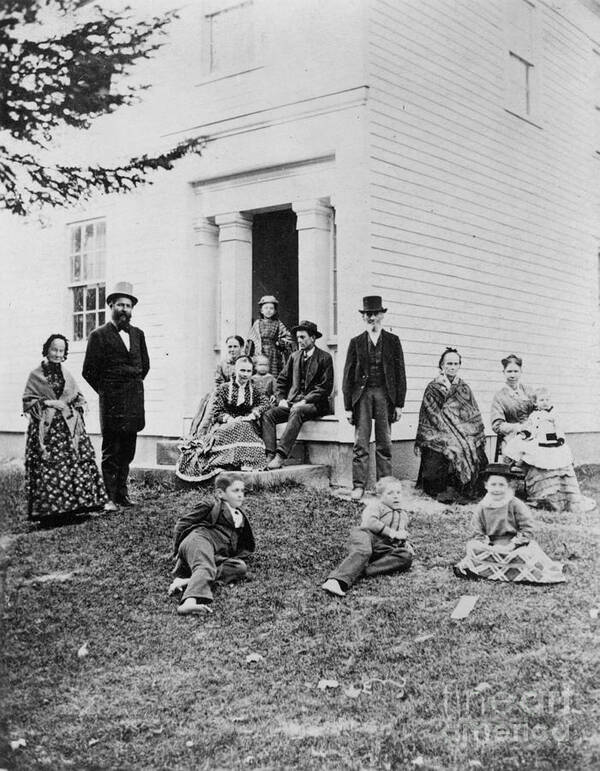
<point x="303" y="389"/>
<point x="116" y="363"/>
<point x="374" y="388"/>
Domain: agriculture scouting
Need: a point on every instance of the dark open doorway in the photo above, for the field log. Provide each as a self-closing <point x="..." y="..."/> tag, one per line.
<point x="275" y="262"/>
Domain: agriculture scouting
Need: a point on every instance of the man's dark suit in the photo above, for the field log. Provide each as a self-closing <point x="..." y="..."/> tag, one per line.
<point x="117" y="375"/>
<point x="316" y="394"/>
<point x="369" y="404"/>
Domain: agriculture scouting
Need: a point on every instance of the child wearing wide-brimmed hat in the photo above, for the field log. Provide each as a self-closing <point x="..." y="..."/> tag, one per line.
<point x="269" y="336"/>
<point x="501" y="545"/>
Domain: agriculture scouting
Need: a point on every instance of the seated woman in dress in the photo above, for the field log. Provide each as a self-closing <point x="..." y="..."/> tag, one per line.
<point x="61" y="475"/>
<point x="232" y="441"/>
<point x="540" y="448"/>
<point x="512" y="404"/>
<point x="450" y="436"/>
<point x="223" y="374"/>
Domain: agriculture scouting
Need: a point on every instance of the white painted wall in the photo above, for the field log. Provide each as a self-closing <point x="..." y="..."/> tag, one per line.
<point x="485" y="226"/>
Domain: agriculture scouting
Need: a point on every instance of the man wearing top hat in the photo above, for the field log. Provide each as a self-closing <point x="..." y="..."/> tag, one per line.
<point x="374" y="389"/>
<point x="116" y="363"/>
<point x="303" y="389"/>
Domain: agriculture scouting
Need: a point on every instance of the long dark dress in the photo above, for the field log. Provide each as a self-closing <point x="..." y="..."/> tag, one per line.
<point x="451" y="439"/>
<point x="59" y="478"/>
<point x="226" y="445"/>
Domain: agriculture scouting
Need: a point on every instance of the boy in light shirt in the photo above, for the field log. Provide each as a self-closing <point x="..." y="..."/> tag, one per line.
<point x="211" y="544"/>
<point x="380" y="544"/>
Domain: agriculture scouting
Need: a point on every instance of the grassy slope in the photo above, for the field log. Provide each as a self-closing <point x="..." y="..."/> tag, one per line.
<point x="160" y="692"/>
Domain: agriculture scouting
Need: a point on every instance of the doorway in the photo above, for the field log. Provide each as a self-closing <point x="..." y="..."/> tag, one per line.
<point x="275" y="262"/>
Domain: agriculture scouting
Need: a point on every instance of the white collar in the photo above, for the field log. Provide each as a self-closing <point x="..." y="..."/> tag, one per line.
<point x="443" y="379"/>
<point x="236" y="515"/>
<point x="308" y="354"/>
<point x="488" y="503"/>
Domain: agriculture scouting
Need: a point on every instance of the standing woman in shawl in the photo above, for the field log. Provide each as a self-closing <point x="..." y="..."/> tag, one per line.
<point x="269" y="337"/>
<point x="61" y="475"/>
<point x="233" y="440"/>
<point x="450" y="436"/>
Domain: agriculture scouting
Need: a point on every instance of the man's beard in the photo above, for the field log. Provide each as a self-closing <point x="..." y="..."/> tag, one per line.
<point x="122" y="320"/>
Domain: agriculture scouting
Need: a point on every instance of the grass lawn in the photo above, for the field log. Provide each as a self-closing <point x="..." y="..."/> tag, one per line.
<point x="515" y="685"/>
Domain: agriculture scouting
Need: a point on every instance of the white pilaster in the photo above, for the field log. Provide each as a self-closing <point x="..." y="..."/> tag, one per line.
<point x="314" y="257"/>
<point x="234" y="299"/>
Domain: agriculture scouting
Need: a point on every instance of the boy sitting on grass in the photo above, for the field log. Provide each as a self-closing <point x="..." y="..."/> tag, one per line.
<point x="380" y="544"/>
<point x="209" y="544"/>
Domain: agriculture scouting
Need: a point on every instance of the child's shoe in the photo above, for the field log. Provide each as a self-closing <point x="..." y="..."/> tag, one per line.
<point x="191" y="607"/>
<point x="333" y="587"/>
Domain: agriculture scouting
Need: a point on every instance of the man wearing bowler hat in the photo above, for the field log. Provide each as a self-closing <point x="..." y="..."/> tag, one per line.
<point x="303" y="389"/>
<point x="116" y="363"/>
<point x="374" y="389"/>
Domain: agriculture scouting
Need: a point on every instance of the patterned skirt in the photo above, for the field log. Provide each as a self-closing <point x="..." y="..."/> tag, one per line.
<point x="229" y="446"/>
<point x="61" y="480"/>
<point x="558" y="487"/>
<point x="526" y="564"/>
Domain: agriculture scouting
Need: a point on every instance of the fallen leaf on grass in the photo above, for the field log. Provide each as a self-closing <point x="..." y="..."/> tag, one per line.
<point x="17" y="744"/>
<point x="189" y="743"/>
<point x="482" y="687"/>
<point x="323" y="685"/>
<point x="83" y="651"/>
<point x="352" y="692"/>
<point x="464" y="606"/>
<point x="594" y="612"/>
<point x="93" y="741"/>
<point x="418" y="761"/>
<point x="423" y="637"/>
<point x="254" y="658"/>
<point x="60" y="577"/>
<point x="475" y="764"/>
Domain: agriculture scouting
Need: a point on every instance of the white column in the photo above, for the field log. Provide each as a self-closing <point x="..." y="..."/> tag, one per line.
<point x="201" y="317"/>
<point x="314" y="255"/>
<point x="235" y="275"/>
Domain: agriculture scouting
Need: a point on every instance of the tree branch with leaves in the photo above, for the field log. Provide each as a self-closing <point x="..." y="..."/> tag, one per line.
<point x="49" y="82"/>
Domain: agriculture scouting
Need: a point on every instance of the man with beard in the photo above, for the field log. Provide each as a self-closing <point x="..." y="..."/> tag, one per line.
<point x="303" y="389"/>
<point x="116" y="363"/>
<point x="374" y="388"/>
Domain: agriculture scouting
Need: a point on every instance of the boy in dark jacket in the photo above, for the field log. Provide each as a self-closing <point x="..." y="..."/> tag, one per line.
<point x="210" y="544"/>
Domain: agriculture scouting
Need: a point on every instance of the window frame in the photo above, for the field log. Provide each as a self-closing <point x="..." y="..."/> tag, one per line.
<point x="529" y="54"/>
<point x="211" y="9"/>
<point x="95" y="283"/>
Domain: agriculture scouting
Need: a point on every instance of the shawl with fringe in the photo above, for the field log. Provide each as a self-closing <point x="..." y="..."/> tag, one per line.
<point x="38" y="390"/>
<point x="450" y="423"/>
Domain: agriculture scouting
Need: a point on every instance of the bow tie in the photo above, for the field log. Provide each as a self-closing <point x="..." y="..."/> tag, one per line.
<point x="124" y="328"/>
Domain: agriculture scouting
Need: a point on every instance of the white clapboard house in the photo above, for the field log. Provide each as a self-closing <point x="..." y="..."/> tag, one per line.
<point x="444" y="155"/>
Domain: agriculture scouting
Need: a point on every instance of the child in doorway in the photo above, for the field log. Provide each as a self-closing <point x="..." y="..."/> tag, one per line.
<point x="541" y="447"/>
<point x="380" y="544"/>
<point x="210" y="545"/>
<point x="269" y="336"/>
<point x="263" y="380"/>
<point x="501" y="547"/>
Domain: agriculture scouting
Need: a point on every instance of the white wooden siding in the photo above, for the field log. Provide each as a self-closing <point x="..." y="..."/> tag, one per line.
<point x="482" y="224"/>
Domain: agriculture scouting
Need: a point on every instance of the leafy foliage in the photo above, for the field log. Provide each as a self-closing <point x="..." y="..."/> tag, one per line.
<point x="67" y="80"/>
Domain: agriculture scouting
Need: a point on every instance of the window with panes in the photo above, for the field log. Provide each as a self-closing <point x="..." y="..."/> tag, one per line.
<point x="87" y="261"/>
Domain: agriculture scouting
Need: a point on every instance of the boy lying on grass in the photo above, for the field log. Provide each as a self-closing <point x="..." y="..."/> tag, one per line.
<point x="380" y="544"/>
<point x="501" y="547"/>
<point x="210" y="544"/>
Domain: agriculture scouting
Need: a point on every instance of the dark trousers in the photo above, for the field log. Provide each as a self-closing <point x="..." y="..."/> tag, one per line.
<point x="373" y="405"/>
<point x="208" y="555"/>
<point x="371" y="555"/>
<point x="294" y="420"/>
<point x="118" y="450"/>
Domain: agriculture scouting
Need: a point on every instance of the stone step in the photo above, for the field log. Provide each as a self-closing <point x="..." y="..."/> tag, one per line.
<point x="167" y="452"/>
<point x="311" y="476"/>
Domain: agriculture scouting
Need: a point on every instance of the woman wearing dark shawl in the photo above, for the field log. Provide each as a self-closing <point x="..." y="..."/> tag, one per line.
<point x="61" y="475"/>
<point x="450" y="436"/>
<point x="232" y="439"/>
